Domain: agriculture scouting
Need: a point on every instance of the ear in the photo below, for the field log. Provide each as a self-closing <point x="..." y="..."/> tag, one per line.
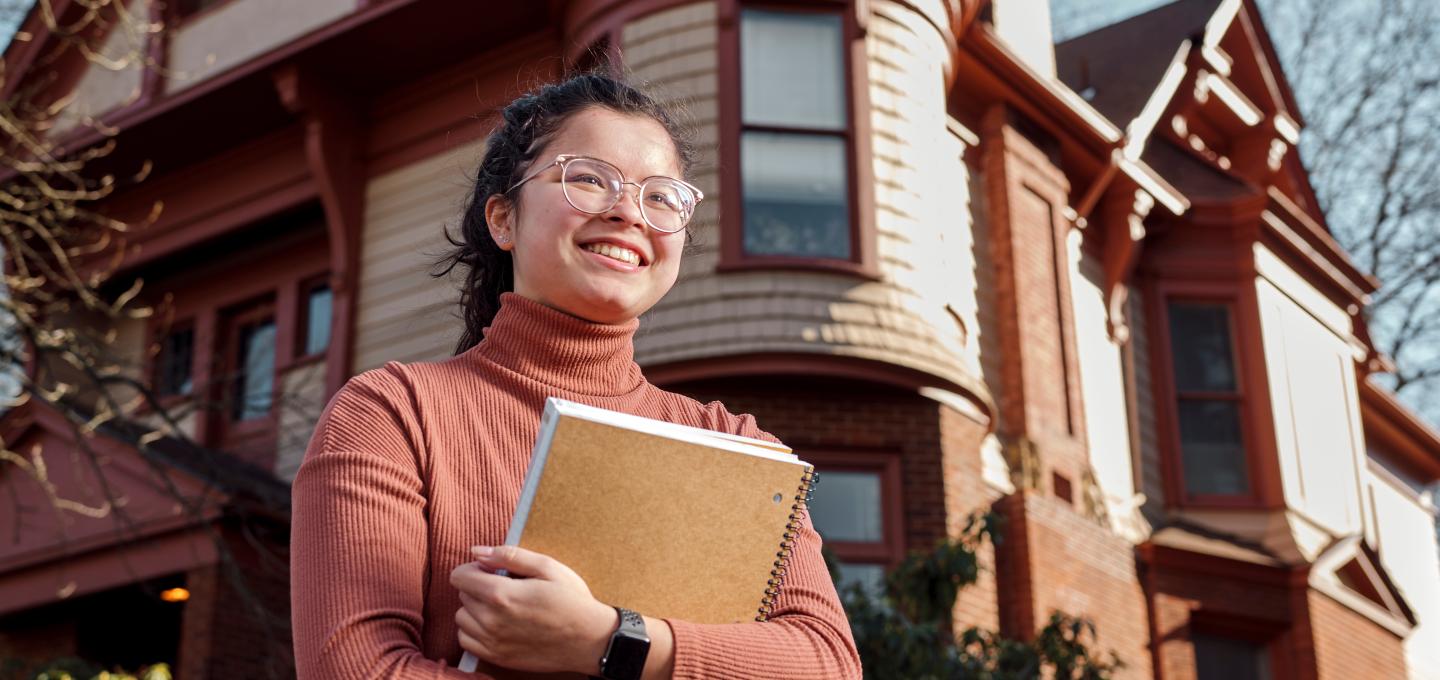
<point x="500" y="216"/>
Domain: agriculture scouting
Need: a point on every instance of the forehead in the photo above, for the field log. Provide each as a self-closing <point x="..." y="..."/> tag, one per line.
<point x="637" y="144"/>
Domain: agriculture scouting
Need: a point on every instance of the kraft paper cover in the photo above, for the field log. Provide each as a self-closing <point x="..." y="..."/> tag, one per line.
<point x="667" y="528"/>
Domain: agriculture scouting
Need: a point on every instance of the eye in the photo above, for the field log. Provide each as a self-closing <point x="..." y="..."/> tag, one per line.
<point x="587" y="178"/>
<point x="664" y="200"/>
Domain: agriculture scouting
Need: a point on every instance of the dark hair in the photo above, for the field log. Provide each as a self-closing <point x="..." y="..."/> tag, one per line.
<point x="526" y="125"/>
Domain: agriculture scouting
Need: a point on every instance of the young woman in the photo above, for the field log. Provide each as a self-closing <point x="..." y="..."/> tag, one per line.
<point x="574" y="229"/>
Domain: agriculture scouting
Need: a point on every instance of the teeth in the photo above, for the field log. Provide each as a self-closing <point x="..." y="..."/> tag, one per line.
<point x="614" y="252"/>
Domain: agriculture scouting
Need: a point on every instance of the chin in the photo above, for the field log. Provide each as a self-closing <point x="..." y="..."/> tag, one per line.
<point x="610" y="309"/>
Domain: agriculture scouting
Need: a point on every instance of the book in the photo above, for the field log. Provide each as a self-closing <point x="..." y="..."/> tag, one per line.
<point x="667" y="520"/>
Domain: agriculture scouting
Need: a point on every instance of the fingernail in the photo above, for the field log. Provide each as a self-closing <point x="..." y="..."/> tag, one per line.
<point x="482" y="551"/>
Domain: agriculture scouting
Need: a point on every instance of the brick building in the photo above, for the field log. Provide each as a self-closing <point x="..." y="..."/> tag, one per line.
<point x="958" y="267"/>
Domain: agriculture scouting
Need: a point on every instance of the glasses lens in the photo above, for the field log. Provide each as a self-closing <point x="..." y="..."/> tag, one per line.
<point x="668" y="204"/>
<point x="591" y="186"/>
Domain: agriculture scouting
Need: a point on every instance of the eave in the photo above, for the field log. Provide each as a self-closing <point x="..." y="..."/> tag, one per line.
<point x="1069" y="112"/>
<point x="1415" y="443"/>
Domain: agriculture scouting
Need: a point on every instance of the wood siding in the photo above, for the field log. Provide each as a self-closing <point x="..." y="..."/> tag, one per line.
<point x="927" y="264"/>
<point x="103" y="88"/>
<point x="1102" y="382"/>
<point x="215" y="41"/>
<point x="404" y="313"/>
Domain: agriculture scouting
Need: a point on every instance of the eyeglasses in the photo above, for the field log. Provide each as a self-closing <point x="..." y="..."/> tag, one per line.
<point x="593" y="186"/>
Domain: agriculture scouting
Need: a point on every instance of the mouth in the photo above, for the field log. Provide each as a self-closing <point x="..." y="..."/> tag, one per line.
<point x="616" y="252"/>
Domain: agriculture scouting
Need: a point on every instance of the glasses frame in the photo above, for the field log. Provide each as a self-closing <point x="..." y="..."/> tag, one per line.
<point x="563" y="160"/>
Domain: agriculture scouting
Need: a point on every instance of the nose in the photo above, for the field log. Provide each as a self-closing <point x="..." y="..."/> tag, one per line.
<point x="627" y="208"/>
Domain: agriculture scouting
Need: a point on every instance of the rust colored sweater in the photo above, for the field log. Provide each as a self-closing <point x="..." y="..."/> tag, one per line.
<point x="410" y="465"/>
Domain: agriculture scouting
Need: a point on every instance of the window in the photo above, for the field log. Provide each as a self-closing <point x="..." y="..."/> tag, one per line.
<point x="250" y="358"/>
<point x="314" y="336"/>
<point x="185" y="8"/>
<point x="1225" y="658"/>
<point x="1208" y="400"/>
<point x="175" y="363"/>
<point x="795" y="146"/>
<point x="855" y="509"/>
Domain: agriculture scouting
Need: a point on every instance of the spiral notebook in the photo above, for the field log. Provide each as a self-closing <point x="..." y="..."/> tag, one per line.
<point x="667" y="520"/>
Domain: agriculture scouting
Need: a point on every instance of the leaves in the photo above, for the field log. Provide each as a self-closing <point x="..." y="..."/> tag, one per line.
<point x="905" y="632"/>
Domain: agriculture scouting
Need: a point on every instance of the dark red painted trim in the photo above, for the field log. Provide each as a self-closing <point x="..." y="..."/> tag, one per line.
<point x="1245" y="344"/>
<point x="891" y="549"/>
<point x="828" y="365"/>
<point x="860" y="174"/>
<point x="1402" y="434"/>
<point x="334" y="151"/>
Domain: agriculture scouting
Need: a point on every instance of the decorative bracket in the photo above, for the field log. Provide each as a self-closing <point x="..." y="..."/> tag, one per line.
<point x="1124" y="232"/>
<point x="334" y="152"/>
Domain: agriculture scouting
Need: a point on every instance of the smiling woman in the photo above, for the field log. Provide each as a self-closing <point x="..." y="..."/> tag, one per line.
<point x="575" y="227"/>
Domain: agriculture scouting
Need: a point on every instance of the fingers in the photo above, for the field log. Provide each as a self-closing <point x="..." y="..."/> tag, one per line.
<point x="516" y="561"/>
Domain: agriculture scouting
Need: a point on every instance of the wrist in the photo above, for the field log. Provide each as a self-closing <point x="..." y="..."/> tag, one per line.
<point x="600" y="624"/>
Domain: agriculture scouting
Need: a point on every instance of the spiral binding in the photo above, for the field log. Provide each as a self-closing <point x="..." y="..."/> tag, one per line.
<point x="803" y="496"/>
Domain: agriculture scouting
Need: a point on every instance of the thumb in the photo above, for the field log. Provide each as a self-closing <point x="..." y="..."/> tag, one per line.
<point x="515" y="560"/>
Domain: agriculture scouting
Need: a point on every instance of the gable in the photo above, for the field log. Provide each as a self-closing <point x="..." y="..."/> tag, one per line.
<point x="69" y="499"/>
<point x="1352" y="573"/>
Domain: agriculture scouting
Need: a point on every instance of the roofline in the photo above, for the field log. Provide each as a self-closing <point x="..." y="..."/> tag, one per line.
<point x="1054" y="97"/>
<point x="1416" y="442"/>
<point x="25" y="51"/>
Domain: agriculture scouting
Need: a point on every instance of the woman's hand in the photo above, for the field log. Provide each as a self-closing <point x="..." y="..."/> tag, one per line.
<point x="543" y="620"/>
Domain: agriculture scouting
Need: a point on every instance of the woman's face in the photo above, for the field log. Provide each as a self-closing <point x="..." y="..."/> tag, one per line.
<point x="553" y="244"/>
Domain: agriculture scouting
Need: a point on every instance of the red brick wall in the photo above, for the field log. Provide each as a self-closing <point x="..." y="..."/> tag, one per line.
<point x="1348" y="645"/>
<point x="245" y="643"/>
<point x="1054" y="559"/>
<point x="1184" y="600"/>
<point x="938" y="449"/>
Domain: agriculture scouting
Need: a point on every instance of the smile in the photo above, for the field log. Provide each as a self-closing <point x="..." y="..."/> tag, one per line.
<point x="614" y="252"/>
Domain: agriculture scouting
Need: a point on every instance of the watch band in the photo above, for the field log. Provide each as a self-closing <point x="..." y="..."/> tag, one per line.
<point x="629" y="646"/>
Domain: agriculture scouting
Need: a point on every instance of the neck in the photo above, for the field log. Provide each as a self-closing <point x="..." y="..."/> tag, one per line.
<point x="563" y="351"/>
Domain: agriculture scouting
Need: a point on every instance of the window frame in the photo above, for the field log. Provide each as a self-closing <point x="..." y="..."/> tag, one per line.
<point x="1271" y="636"/>
<point x="159" y="332"/>
<point x="301" y="334"/>
<point x="889" y="552"/>
<point x="1168" y="406"/>
<point x="179" y="15"/>
<point x="227" y="347"/>
<point x="856" y="133"/>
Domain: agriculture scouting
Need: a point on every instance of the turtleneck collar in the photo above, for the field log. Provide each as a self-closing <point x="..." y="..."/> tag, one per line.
<point x="561" y="350"/>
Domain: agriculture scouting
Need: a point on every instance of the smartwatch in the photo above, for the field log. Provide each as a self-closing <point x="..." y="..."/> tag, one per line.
<point x="625" y="656"/>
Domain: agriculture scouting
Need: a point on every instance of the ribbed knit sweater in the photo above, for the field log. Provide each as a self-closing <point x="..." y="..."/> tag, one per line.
<point x="412" y="464"/>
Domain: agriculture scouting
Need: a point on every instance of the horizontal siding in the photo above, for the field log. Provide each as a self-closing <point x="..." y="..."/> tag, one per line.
<point x="302" y="399"/>
<point x="1152" y="480"/>
<point x="405" y="314"/>
<point x="102" y="88"/>
<point x="240" y="30"/>
<point x="926" y="255"/>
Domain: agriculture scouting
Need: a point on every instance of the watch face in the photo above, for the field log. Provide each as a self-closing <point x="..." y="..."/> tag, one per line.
<point x="626" y="659"/>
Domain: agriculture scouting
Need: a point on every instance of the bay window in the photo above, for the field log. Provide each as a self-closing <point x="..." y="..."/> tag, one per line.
<point x="1209" y="402"/>
<point x="791" y="198"/>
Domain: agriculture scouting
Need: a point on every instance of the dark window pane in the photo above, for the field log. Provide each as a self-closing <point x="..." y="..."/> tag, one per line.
<point x="1200" y="341"/>
<point x="317" y="321"/>
<point x="847" y="507"/>
<point x="256" y="380"/>
<point x="792" y="69"/>
<point x="1221" y="658"/>
<point x="1212" y="448"/>
<point x="172" y="371"/>
<point x="796" y="198"/>
<point x="869" y="577"/>
<point x="188" y="7"/>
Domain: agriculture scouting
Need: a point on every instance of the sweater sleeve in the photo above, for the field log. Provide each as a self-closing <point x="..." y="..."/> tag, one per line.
<point x="807" y="635"/>
<point x="358" y="541"/>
